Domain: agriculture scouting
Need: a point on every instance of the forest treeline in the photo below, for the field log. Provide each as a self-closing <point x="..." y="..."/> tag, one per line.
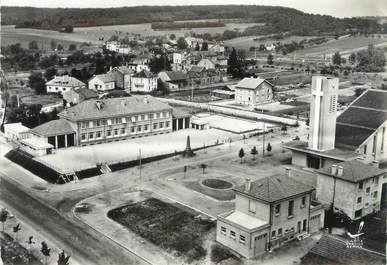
<point x="275" y="19"/>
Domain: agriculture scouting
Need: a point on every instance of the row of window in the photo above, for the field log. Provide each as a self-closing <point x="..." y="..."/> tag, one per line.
<point x="242" y="238"/>
<point x="121" y="120"/>
<point x="374" y="196"/>
<point x="374" y="180"/>
<point x="277" y="208"/>
<point x="278" y="233"/>
<point x="120" y="132"/>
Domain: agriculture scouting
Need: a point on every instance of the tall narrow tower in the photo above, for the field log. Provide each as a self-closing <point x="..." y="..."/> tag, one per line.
<point x="323" y="110"/>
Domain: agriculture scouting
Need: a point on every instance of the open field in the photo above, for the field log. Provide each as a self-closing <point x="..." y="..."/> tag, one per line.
<point x="167" y="226"/>
<point x="345" y="46"/>
<point x="10" y="35"/>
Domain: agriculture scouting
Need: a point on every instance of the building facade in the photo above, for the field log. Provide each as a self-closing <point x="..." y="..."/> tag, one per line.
<point x="103" y="82"/>
<point x="60" y="84"/>
<point x="253" y="92"/>
<point x="268" y="213"/>
<point x="144" y="81"/>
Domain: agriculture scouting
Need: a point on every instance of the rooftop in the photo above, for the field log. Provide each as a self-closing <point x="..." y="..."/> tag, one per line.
<point x="176" y="75"/>
<point x="144" y="74"/>
<point x="16" y="127"/>
<point x="86" y="93"/>
<point x="113" y="107"/>
<point x="247" y="221"/>
<point x="123" y="69"/>
<point x="250" y="82"/>
<point x="65" y="80"/>
<point x="106" y="78"/>
<point x="353" y="171"/>
<point x="333" y="250"/>
<point x="275" y="188"/>
<point x="354" y="125"/>
<point x="52" y="128"/>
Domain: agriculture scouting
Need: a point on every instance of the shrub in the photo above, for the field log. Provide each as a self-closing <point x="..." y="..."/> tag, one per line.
<point x="219" y="253"/>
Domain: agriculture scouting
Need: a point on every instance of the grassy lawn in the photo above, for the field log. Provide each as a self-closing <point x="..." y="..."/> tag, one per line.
<point x="167" y="226"/>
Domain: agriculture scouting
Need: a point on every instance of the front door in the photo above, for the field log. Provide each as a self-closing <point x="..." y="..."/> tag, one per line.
<point x="260" y="245"/>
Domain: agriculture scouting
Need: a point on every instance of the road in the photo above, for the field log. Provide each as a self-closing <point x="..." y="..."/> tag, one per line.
<point x="83" y="243"/>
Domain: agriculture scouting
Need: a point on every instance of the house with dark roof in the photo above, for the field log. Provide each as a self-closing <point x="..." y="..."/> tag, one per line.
<point x="173" y="79"/>
<point x="74" y="97"/>
<point x="253" y="91"/>
<point x="352" y="187"/>
<point x="334" y="250"/>
<point x="199" y="75"/>
<point x="60" y="84"/>
<point x="268" y="213"/>
<point x="122" y="76"/>
<point x="144" y="81"/>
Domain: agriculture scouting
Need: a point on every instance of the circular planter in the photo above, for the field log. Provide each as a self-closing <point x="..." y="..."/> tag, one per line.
<point x="217" y="184"/>
<point x="217" y="188"/>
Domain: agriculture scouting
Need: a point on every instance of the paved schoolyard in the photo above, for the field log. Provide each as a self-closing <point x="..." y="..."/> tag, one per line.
<point x="77" y="158"/>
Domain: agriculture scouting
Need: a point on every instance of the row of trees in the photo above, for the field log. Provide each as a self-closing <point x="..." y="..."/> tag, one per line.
<point x="63" y="259"/>
<point x="253" y="152"/>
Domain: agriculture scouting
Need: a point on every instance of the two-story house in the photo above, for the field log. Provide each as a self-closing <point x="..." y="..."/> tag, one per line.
<point x="65" y="83"/>
<point x="144" y="81"/>
<point x="102" y="82"/>
<point x="351" y="187"/>
<point x="122" y="76"/>
<point x="268" y="213"/>
<point x="253" y="91"/>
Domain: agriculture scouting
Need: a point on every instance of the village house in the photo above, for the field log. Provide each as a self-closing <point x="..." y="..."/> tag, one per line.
<point x="352" y="187"/>
<point x="122" y="76"/>
<point x="268" y="213"/>
<point x="173" y="79"/>
<point x="102" y="82"/>
<point x="143" y="81"/>
<point x="253" y="92"/>
<point x="206" y="63"/>
<point x="198" y="75"/>
<point x="76" y="96"/>
<point x="60" y="84"/>
<point x="138" y="67"/>
<point x="118" y="47"/>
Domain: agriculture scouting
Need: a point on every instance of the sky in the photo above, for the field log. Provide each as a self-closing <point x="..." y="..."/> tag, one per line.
<point x="338" y="8"/>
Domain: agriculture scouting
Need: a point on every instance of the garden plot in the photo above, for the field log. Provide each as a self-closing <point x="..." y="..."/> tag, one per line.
<point x="230" y="124"/>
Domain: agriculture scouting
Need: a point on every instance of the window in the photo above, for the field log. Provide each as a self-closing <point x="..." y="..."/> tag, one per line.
<point x="376" y="181"/>
<point x="91" y="135"/>
<point x="303" y="201"/>
<point x="279" y="232"/>
<point x="143" y="117"/>
<point x="96" y="123"/>
<point x="358" y="213"/>
<point x="158" y="115"/>
<point x="109" y="133"/>
<point x="360" y="185"/>
<point x="122" y="131"/>
<point x="146" y="127"/>
<point x="290" y="208"/>
<point x="118" y="120"/>
<point x="374" y="144"/>
<point x="223" y="230"/>
<point x="251" y="206"/>
<point x="277" y="210"/>
<point x="273" y="234"/>
<point x="242" y="239"/>
<point x="115" y="131"/>
<point x="167" y="124"/>
<point x="161" y="125"/>
<point x="99" y="135"/>
<point x="151" y="116"/>
<point x="154" y="126"/>
<point x="383" y="133"/>
<point x="232" y="234"/>
<point x="109" y="122"/>
<point x="375" y="194"/>
<point x="365" y="149"/>
<point x="359" y="200"/>
<point x="368" y="189"/>
<point x="83" y="136"/>
<point x="304" y="225"/>
<point x="139" y="128"/>
<point x="132" y="129"/>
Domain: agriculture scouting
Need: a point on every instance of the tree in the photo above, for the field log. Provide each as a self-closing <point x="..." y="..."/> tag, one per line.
<point x="172" y="36"/>
<point x="45" y="251"/>
<point x="60" y="47"/>
<point x="16" y="229"/>
<point x="197" y="46"/>
<point x="181" y="43"/>
<point x="371" y="60"/>
<point x="284" y="128"/>
<point x="270" y="59"/>
<point x="203" y="167"/>
<point x="234" y="65"/>
<point x="254" y="152"/>
<point x="30" y="242"/>
<point x="262" y="47"/>
<point x="37" y="82"/>
<point x="241" y="154"/>
<point x="50" y="73"/>
<point x="336" y="59"/>
<point x="3" y="216"/>
<point x="69" y="29"/>
<point x="268" y="148"/>
<point x="352" y="58"/>
<point x="204" y="46"/>
<point x="160" y="63"/>
<point x="63" y="259"/>
<point x="72" y="47"/>
<point x="162" y="88"/>
<point x="33" y="45"/>
<point x="53" y="45"/>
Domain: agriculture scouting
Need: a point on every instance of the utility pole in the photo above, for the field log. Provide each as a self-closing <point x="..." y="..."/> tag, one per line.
<point x="263" y="136"/>
<point x="192" y="89"/>
<point x="139" y="165"/>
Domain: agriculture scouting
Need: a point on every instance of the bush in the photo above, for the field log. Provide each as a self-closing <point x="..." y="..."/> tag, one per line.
<point x="219" y="253"/>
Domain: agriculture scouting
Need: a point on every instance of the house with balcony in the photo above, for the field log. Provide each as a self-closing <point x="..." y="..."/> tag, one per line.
<point x="352" y="187"/>
<point x="268" y="213"/>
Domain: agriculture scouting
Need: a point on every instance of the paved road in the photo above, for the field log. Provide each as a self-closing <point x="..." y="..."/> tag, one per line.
<point x="81" y="242"/>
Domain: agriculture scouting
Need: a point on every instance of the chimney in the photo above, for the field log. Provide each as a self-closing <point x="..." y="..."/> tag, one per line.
<point x="334" y="170"/>
<point x="288" y="171"/>
<point x="339" y="171"/>
<point x="98" y="104"/>
<point x="248" y="185"/>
